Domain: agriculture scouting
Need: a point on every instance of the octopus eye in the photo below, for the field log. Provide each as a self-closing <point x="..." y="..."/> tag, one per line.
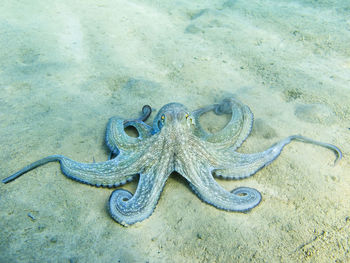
<point x="189" y="119"/>
<point x="161" y="122"/>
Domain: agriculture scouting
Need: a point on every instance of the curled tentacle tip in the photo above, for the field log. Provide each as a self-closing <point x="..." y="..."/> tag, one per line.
<point x="338" y="154"/>
<point x="119" y="208"/>
<point x="117" y="205"/>
<point x="338" y="158"/>
<point x="146" y="108"/>
<point x="247" y="193"/>
<point x="120" y="195"/>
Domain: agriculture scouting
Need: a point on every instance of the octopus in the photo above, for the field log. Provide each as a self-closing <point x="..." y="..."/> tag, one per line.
<point x="175" y="142"/>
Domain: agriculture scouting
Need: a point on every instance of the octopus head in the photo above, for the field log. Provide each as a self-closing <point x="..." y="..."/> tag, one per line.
<point x="170" y="115"/>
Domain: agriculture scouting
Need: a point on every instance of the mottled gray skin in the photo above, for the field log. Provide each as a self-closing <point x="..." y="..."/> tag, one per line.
<point x="175" y="142"/>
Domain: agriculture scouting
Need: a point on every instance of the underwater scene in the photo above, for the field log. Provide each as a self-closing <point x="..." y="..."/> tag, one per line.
<point x="175" y="131"/>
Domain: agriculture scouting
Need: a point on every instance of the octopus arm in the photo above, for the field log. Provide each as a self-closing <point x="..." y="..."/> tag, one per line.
<point x="118" y="140"/>
<point x="111" y="173"/>
<point x="128" y="209"/>
<point x="237" y="165"/>
<point x="203" y="184"/>
<point x="199" y="131"/>
<point x="107" y="174"/>
<point x="235" y="131"/>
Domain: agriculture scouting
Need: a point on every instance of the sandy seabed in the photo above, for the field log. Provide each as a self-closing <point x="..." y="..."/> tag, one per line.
<point x="66" y="67"/>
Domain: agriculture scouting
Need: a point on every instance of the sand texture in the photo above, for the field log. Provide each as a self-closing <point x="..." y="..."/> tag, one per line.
<point x="66" y="67"/>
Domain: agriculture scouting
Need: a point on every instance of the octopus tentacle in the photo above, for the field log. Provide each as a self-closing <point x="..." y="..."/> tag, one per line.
<point x="199" y="131"/>
<point x="118" y="140"/>
<point x="110" y="173"/>
<point x="335" y="149"/>
<point x="106" y="174"/>
<point x="142" y="128"/>
<point x="236" y="130"/>
<point x="51" y="158"/>
<point x="128" y="209"/>
<point x="116" y="137"/>
<point x="240" y="199"/>
<point x="198" y="172"/>
<point x="236" y="165"/>
<point x="146" y="112"/>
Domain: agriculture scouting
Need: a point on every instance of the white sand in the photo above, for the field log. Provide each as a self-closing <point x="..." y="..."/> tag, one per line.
<point x="67" y="66"/>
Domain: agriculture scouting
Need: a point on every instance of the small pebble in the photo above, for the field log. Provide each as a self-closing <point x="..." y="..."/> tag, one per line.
<point x="41" y="228"/>
<point x="73" y="260"/>
<point x="31" y="216"/>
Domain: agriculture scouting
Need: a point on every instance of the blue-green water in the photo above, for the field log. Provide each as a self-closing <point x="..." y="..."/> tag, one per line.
<point x="66" y="67"/>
